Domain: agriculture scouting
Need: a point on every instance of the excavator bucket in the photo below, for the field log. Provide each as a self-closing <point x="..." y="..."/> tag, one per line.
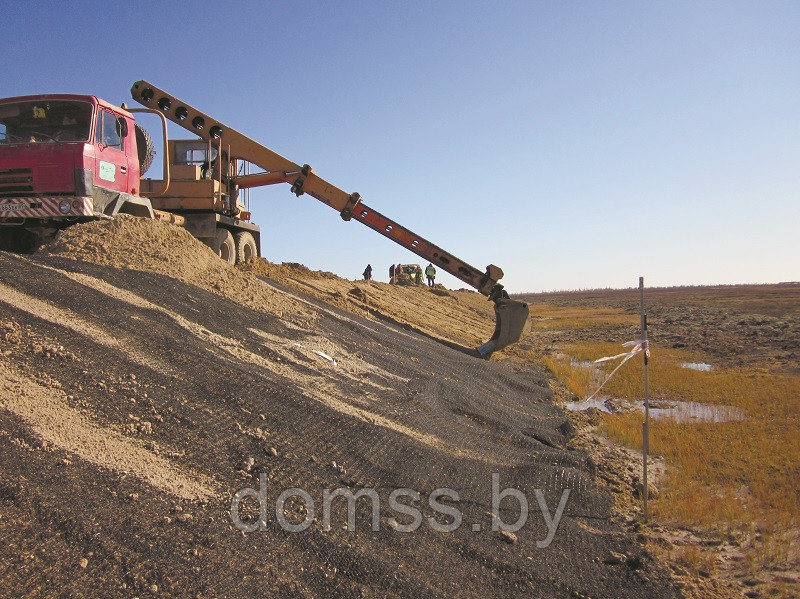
<point x="512" y="322"/>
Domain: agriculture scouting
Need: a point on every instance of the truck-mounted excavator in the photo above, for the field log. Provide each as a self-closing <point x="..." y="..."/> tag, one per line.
<point x="67" y="159"/>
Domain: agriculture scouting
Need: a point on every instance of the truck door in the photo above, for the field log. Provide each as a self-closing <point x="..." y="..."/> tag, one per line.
<point x="111" y="133"/>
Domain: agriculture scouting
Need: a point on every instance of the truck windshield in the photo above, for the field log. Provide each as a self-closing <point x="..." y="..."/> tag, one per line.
<point x="49" y="121"/>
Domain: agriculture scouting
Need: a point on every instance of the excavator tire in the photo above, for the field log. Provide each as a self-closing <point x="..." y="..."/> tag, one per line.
<point x="246" y="249"/>
<point x="224" y="246"/>
<point x="145" y="148"/>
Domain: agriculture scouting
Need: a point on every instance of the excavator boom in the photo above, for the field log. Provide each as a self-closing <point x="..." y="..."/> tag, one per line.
<point x="512" y="315"/>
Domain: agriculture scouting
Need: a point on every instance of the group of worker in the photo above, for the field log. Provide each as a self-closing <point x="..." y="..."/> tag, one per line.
<point x="394" y="273"/>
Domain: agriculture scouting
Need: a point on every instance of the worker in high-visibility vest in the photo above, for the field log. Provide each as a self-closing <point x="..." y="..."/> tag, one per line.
<point x="430" y="272"/>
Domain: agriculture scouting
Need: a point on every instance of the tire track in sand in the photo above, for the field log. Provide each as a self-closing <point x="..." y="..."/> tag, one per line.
<point x="317" y="388"/>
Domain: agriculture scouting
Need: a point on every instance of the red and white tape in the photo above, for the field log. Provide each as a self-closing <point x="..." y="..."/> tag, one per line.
<point x="45" y="207"/>
<point x="637" y="349"/>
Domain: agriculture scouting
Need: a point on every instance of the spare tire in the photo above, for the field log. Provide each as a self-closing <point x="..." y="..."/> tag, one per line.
<point x="144" y="146"/>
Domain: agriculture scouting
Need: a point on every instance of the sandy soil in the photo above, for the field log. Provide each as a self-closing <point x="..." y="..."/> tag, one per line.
<point x="55" y="422"/>
<point x="152" y="246"/>
<point x="143" y="383"/>
<point x="178" y="299"/>
<point x="462" y="317"/>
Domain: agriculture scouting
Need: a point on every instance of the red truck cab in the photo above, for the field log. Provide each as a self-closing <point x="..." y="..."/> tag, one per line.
<point x="63" y="158"/>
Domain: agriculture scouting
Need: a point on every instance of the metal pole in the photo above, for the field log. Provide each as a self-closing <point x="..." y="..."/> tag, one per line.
<point x="646" y="423"/>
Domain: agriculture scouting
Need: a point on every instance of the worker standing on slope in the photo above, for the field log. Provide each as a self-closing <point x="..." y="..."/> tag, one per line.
<point x="391" y="274"/>
<point x="368" y="272"/>
<point x="418" y="276"/>
<point x="430" y="272"/>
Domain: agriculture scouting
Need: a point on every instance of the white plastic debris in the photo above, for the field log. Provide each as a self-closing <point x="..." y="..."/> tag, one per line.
<point x="324" y="355"/>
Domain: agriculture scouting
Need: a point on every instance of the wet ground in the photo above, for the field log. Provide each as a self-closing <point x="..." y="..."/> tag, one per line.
<point x="681" y="412"/>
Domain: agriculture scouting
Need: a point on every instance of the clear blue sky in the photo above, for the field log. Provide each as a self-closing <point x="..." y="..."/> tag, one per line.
<point x="574" y="144"/>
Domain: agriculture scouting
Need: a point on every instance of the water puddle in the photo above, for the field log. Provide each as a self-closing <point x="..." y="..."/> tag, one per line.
<point x="688" y="412"/>
<point x="598" y="403"/>
<point x="701" y="366"/>
<point x="682" y="412"/>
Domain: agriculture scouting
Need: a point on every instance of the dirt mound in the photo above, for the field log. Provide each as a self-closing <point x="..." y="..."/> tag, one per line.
<point x="139" y="244"/>
<point x="128" y="242"/>
<point x="464" y="317"/>
<point x="285" y="270"/>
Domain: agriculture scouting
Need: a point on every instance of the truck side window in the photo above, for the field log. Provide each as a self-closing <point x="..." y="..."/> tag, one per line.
<point x="193" y="152"/>
<point x="109" y="131"/>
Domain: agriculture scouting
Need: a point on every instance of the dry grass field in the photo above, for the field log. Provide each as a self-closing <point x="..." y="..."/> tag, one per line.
<point x="737" y="480"/>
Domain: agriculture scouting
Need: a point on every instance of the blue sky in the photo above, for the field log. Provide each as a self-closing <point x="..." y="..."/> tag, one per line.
<point x="574" y="144"/>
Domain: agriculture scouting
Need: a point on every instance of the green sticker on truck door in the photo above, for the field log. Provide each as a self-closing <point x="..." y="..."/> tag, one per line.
<point x="108" y="171"/>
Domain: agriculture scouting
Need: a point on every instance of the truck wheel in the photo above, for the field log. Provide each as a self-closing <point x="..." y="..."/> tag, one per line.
<point x="144" y="146"/>
<point x="245" y="247"/>
<point x="225" y="247"/>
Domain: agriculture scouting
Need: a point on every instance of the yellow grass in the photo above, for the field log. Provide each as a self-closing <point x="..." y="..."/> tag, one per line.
<point x="693" y="558"/>
<point x="726" y="476"/>
<point x="577" y="380"/>
<point x="547" y="316"/>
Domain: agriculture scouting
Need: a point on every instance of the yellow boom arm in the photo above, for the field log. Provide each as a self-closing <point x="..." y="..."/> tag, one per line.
<point x="235" y="145"/>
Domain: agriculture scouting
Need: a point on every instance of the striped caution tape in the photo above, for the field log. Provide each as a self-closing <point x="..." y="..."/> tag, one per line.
<point x="636" y="346"/>
<point x="44" y="207"/>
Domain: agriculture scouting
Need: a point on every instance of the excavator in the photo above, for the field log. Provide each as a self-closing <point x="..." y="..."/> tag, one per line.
<point x="67" y="159"/>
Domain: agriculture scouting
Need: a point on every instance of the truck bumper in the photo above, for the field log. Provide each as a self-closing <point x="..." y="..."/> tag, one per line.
<point x="50" y="207"/>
